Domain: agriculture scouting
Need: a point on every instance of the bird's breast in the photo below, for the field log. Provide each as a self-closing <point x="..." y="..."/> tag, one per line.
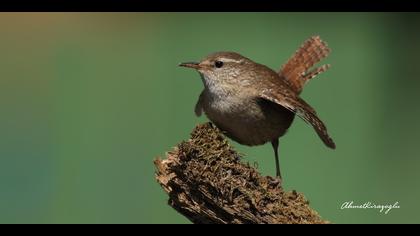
<point x="245" y="120"/>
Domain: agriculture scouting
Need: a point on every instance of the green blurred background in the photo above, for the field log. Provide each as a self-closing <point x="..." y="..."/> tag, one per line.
<point x="88" y="100"/>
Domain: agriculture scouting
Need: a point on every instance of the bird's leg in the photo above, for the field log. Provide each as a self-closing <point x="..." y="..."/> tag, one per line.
<point x="275" y="144"/>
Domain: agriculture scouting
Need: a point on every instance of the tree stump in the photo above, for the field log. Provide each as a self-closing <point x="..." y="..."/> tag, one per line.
<point x="207" y="183"/>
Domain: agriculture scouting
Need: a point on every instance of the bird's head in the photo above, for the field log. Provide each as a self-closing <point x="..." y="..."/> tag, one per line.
<point x="221" y="68"/>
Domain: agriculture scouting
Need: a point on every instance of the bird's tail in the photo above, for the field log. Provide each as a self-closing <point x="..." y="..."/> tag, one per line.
<point x="297" y="69"/>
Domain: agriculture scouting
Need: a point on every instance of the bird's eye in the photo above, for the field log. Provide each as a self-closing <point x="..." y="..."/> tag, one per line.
<point x="218" y="64"/>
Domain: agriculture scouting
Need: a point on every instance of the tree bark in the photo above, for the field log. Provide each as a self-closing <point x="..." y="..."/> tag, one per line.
<point x="207" y="183"/>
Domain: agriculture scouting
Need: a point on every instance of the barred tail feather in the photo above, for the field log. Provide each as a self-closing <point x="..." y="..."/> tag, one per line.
<point x="297" y="69"/>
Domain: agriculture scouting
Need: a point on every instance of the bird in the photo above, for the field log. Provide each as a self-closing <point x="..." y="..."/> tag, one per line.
<point x="253" y="104"/>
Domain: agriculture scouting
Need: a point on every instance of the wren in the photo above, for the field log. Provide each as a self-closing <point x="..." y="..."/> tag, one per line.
<point x="251" y="103"/>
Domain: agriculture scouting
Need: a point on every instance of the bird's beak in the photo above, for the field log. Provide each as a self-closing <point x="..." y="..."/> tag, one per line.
<point x="194" y="65"/>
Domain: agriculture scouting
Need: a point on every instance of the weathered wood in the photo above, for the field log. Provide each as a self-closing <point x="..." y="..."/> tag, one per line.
<point x="207" y="183"/>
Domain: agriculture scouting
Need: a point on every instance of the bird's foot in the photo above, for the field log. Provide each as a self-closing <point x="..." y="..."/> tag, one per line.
<point x="274" y="181"/>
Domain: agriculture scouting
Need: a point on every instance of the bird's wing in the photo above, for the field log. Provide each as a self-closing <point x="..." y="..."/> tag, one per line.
<point x="290" y="101"/>
<point x="199" y="105"/>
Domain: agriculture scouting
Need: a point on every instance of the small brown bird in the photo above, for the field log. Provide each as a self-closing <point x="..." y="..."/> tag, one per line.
<point x="252" y="103"/>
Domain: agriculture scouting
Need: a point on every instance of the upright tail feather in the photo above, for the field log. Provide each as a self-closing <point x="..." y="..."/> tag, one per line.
<point x="297" y="69"/>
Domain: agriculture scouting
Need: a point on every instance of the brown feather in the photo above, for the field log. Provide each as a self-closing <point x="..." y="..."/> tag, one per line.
<point x="300" y="108"/>
<point x="296" y="70"/>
